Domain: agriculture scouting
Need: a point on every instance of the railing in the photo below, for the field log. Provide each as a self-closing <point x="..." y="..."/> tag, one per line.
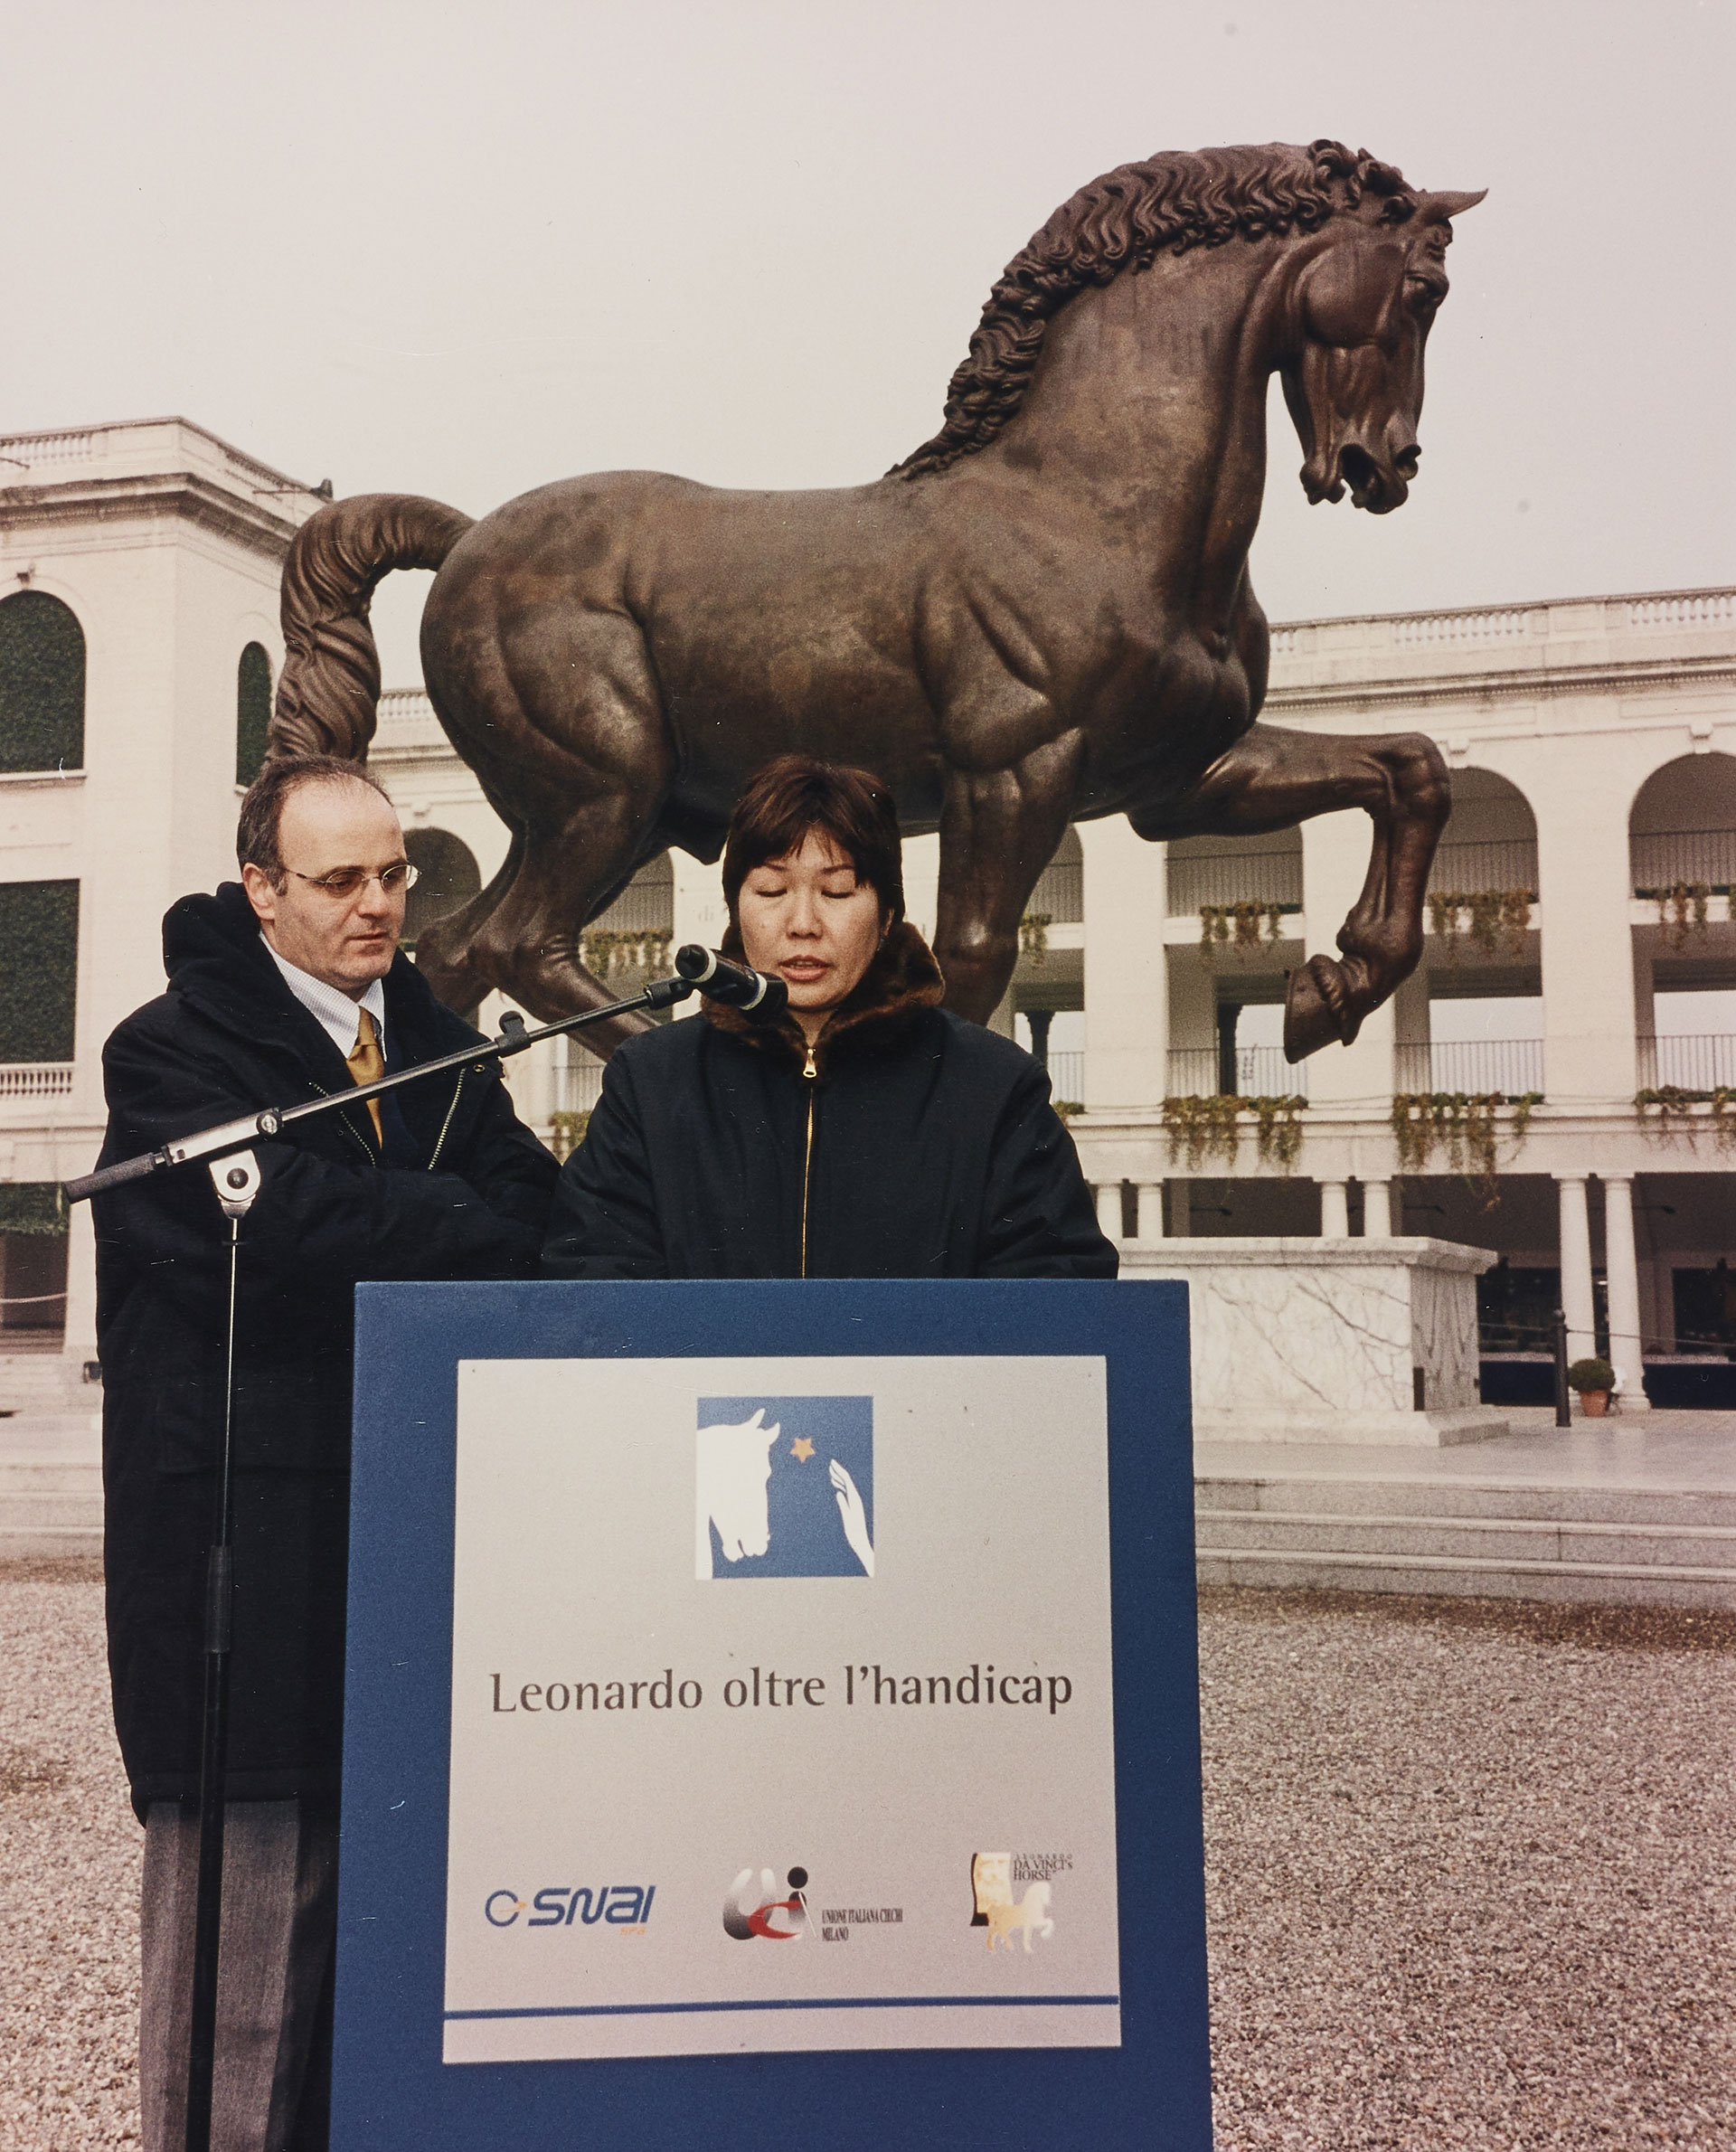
<point x="1703" y="608"/>
<point x="45" y="447"/>
<point x="1061" y="893"/>
<point x="1475" y="1066"/>
<point x="1665" y="857"/>
<point x="1233" y="878"/>
<point x="1689" y="1061"/>
<point x="1413" y="628"/>
<point x="1261" y="1072"/>
<point x="1462" y="870"/>
<point x="1067" y="1075"/>
<point x="646" y="906"/>
<point x="578" y="1079"/>
<point x="37" y="1079"/>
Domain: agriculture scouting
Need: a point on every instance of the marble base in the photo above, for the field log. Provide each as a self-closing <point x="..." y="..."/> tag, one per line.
<point x="1330" y="1341"/>
<point x="1411" y="1430"/>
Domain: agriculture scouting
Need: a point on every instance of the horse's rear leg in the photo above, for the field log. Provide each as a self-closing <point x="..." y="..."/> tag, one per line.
<point x="1272" y="779"/>
<point x="583" y="809"/>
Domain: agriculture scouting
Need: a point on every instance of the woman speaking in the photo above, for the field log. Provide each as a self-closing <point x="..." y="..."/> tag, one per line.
<point x="868" y="1133"/>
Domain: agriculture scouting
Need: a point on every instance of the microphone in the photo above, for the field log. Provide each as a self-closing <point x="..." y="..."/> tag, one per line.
<point x="755" y="994"/>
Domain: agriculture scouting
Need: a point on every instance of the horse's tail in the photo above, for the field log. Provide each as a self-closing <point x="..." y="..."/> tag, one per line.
<point x="330" y="690"/>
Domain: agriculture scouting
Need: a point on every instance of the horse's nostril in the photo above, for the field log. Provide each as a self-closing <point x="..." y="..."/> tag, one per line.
<point x="1405" y="462"/>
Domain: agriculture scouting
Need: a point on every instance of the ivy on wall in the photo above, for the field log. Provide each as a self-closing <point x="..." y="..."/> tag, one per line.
<point x="1243" y="920"/>
<point x="1199" y="1129"/>
<point x="1465" y="1125"/>
<point x="252" y="711"/>
<point x="39" y="963"/>
<point x="1672" y="1107"/>
<point x="41" y="684"/>
<point x="1492" y="917"/>
<point x="567" y="1132"/>
<point x="35" y="1207"/>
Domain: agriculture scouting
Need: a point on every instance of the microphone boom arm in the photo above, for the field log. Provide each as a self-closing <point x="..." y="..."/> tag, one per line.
<point x="270" y="1120"/>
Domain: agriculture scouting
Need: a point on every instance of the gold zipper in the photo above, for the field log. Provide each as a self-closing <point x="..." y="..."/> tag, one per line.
<point x="811" y="1073"/>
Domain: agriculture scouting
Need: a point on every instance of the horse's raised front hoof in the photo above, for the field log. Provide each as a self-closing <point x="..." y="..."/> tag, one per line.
<point x="1316" y="1011"/>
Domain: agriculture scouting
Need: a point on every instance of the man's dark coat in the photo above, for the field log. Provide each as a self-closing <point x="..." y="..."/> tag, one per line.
<point x="462" y="1192"/>
<point x="922" y="1147"/>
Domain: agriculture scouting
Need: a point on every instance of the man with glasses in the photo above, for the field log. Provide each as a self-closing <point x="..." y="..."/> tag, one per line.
<point x="284" y="985"/>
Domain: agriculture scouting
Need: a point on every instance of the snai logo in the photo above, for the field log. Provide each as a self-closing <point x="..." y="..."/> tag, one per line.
<point x="621" y="1905"/>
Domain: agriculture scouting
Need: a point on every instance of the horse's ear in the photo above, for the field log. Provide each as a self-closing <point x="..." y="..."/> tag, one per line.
<point x="1435" y="209"/>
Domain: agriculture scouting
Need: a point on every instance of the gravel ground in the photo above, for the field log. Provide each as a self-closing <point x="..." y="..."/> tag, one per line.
<point x="70" y="1855"/>
<point x="1470" y="1873"/>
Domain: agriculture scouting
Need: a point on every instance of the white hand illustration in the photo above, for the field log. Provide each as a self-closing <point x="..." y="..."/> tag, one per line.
<point x="854" y="1517"/>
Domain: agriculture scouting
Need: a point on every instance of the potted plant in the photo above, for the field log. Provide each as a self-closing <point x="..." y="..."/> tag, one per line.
<point x="1594" y="1380"/>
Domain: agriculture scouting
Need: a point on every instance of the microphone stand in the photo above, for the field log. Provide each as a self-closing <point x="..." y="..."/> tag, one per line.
<point x="236" y="1175"/>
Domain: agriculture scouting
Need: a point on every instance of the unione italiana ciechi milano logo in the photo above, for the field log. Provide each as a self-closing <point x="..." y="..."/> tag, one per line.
<point x="563" y="1905"/>
<point x="760" y="1913"/>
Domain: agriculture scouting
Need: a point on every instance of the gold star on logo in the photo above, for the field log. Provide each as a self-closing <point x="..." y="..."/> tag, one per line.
<point x="801" y="1448"/>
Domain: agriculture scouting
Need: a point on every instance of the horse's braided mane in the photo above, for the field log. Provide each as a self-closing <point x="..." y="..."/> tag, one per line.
<point x="1176" y="200"/>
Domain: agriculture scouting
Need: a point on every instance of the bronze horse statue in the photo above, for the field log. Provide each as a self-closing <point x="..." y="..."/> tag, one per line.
<point x="1041" y="616"/>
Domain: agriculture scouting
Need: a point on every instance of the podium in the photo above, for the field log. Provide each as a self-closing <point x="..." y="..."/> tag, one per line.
<point x="771" y="1715"/>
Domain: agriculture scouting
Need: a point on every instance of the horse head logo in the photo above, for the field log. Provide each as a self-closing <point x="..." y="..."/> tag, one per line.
<point x="735" y="1471"/>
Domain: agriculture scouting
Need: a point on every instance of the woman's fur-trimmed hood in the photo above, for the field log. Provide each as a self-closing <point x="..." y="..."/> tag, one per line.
<point x="903" y="981"/>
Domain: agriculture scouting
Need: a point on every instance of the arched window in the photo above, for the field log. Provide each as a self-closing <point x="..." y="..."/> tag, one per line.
<point x="1489" y="844"/>
<point x="252" y="711"/>
<point x="1681" y="831"/>
<point x="447" y="875"/>
<point x="41" y="684"/>
<point x="39" y="961"/>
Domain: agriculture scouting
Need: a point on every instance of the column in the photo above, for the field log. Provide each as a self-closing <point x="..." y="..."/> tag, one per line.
<point x="1151" y="1214"/>
<point x="81" y="1284"/>
<point x="1039" y="1020"/>
<point x="1109" y="1209"/>
<point x="1576" y="1266"/>
<point x="1377" y="1210"/>
<point x="1127" y="1002"/>
<point x="698" y="912"/>
<point x="1588" y="944"/>
<point x="1621" y="1270"/>
<point x="1335" y="1211"/>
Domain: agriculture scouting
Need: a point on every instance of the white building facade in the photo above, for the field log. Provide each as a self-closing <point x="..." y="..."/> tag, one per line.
<point x="1581" y="954"/>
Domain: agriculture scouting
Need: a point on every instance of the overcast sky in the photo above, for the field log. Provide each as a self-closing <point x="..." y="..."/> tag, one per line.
<point x="462" y="250"/>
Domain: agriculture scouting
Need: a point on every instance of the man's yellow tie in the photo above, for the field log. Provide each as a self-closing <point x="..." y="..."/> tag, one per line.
<point x="367" y="1062"/>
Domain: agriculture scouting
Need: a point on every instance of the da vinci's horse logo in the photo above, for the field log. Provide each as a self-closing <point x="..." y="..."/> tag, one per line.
<point x="991" y="1885"/>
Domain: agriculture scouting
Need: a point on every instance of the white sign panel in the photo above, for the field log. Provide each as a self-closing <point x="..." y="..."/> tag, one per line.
<point x="781" y="1709"/>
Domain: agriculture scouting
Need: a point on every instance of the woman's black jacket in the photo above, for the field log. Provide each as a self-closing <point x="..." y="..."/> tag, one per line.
<point x="461" y="1191"/>
<point x="922" y="1147"/>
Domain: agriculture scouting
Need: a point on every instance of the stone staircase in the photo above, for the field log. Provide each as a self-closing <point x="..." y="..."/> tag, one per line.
<point x="45" y="1382"/>
<point x="51" y="1503"/>
<point x="1636" y="1546"/>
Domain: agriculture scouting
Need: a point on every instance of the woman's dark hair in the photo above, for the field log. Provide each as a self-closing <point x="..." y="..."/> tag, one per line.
<point x="263" y="805"/>
<point x="793" y="796"/>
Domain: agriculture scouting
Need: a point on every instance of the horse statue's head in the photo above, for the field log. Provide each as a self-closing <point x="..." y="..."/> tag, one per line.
<point x="1358" y="317"/>
<point x="734" y="1471"/>
<point x="1362" y="278"/>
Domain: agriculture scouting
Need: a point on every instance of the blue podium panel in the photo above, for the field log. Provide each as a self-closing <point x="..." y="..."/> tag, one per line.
<point x="771" y="1713"/>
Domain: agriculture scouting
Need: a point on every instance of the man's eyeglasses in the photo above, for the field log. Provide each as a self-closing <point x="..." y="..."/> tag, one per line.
<point x="350" y="882"/>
